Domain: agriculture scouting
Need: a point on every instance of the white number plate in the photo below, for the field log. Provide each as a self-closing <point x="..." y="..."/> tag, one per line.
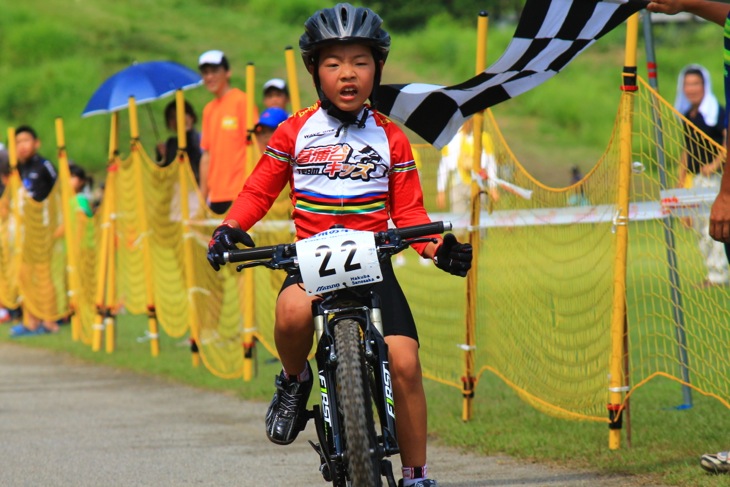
<point x="338" y="258"/>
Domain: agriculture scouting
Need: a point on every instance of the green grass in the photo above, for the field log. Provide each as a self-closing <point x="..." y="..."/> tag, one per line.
<point x="52" y="58"/>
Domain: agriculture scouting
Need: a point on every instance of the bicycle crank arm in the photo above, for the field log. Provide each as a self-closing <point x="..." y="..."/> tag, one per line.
<point x="386" y="469"/>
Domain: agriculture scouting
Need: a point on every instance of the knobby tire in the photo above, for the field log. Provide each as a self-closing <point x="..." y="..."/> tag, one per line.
<point x="356" y="408"/>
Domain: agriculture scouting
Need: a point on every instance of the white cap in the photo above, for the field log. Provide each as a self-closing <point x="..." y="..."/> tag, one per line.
<point x="213" y="57"/>
<point x="277" y="83"/>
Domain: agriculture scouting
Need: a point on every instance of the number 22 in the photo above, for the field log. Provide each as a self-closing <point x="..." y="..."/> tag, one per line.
<point x="324" y="250"/>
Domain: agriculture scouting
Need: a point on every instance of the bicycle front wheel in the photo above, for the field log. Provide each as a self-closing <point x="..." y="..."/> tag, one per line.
<point x="353" y="393"/>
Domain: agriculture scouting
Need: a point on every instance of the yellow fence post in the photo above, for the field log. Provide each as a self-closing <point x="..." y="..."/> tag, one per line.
<point x="15" y="178"/>
<point x="110" y="284"/>
<point x="292" y="82"/>
<point x="110" y="289"/>
<point x="469" y="380"/>
<point x="14" y="185"/>
<point x="103" y="321"/>
<point x="617" y="386"/>
<point x="144" y="229"/>
<point x="74" y="285"/>
<point x="249" y="295"/>
<point x="184" y="162"/>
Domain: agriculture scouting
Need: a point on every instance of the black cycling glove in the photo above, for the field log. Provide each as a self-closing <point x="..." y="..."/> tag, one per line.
<point x="453" y="257"/>
<point x="225" y="238"/>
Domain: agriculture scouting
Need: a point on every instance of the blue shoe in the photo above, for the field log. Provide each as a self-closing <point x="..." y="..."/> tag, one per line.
<point x="21" y="331"/>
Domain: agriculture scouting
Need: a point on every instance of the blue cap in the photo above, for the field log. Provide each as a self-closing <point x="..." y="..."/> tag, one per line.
<point x="272" y="117"/>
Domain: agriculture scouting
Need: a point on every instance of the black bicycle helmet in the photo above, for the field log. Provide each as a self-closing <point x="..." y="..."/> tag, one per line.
<point x="343" y="23"/>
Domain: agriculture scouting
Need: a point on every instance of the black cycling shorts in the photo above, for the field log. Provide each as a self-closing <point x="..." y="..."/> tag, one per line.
<point x="397" y="316"/>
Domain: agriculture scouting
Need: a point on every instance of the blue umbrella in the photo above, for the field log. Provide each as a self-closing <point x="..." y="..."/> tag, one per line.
<point x="146" y="82"/>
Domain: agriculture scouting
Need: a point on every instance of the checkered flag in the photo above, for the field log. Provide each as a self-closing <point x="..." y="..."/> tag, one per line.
<point x="549" y="35"/>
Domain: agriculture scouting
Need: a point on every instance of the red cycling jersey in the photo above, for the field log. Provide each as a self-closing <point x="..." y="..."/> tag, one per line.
<point x="355" y="175"/>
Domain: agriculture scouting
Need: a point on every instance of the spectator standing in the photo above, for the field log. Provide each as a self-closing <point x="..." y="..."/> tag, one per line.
<point x="276" y="94"/>
<point x="38" y="176"/>
<point x="267" y="124"/>
<point x="455" y="170"/>
<point x="577" y="198"/>
<point x="4" y="169"/>
<point x="36" y="172"/>
<point x="79" y="182"/>
<point x="224" y="140"/>
<point x="167" y="151"/>
<point x="701" y="163"/>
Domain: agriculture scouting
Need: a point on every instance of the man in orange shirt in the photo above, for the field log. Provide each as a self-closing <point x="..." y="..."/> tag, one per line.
<point x="224" y="138"/>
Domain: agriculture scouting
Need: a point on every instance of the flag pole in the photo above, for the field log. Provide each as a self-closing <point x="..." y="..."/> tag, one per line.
<point x="672" y="260"/>
<point x="469" y="379"/>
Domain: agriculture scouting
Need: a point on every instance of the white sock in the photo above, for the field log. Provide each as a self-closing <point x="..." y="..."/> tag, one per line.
<point x="300" y="377"/>
<point x="413" y="475"/>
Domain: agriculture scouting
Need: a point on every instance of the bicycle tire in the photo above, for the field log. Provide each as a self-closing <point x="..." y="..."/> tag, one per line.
<point x="363" y="465"/>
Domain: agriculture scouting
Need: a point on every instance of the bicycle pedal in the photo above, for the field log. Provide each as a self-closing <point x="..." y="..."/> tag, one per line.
<point x="324" y="469"/>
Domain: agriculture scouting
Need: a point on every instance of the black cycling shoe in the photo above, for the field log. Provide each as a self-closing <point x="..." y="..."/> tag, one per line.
<point x="287" y="414"/>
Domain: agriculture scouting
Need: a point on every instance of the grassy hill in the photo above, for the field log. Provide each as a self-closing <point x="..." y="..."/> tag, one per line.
<point x="54" y="54"/>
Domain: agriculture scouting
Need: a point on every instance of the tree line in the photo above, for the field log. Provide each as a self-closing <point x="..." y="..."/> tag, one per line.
<point x="407" y="15"/>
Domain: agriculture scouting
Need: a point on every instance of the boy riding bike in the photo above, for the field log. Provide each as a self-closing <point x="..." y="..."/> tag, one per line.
<point x="346" y="164"/>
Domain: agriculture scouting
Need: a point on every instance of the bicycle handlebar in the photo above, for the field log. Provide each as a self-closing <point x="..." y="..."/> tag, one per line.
<point x="261" y="253"/>
<point x="422" y="230"/>
<point x="243" y="255"/>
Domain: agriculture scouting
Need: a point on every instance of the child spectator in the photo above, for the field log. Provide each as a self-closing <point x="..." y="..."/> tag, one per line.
<point x="38" y="176"/>
<point x="276" y="94"/>
<point x="268" y="122"/>
<point x="167" y="151"/>
<point x="36" y="172"/>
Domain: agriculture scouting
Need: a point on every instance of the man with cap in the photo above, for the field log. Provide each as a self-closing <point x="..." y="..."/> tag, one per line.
<point x="276" y="94"/>
<point x="224" y="139"/>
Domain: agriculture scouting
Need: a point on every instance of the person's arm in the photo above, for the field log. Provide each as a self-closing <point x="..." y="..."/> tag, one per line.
<point x="405" y="193"/>
<point x="204" y="166"/>
<point x="715" y="12"/>
<point x="720" y="212"/>
<point x="716" y="164"/>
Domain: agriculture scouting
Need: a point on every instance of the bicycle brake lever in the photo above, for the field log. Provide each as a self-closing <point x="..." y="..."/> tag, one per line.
<point x="246" y="265"/>
<point x="420" y="240"/>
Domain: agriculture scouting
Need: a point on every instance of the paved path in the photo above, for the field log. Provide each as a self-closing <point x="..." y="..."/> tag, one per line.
<point x="64" y="422"/>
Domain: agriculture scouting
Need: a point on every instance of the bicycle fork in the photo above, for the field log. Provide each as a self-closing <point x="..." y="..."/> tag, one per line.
<point x="329" y="432"/>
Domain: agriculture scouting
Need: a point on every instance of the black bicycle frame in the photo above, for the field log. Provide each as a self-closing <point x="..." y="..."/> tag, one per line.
<point x="364" y="308"/>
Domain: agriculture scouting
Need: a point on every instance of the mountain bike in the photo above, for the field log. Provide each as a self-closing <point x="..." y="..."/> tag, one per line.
<point x="339" y="266"/>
